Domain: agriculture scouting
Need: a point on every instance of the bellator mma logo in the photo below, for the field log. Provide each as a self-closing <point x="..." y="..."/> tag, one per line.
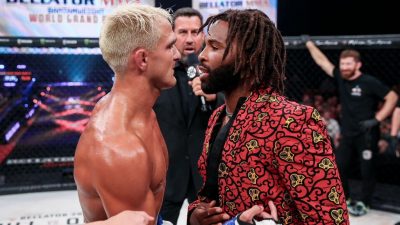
<point x="73" y="2"/>
<point x="118" y="2"/>
<point x="71" y="218"/>
<point x="70" y="11"/>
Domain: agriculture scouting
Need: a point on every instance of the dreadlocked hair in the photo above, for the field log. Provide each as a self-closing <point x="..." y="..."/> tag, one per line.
<point x="260" y="56"/>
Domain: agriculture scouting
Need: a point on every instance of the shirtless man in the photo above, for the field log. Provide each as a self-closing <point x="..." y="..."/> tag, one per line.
<point x="121" y="158"/>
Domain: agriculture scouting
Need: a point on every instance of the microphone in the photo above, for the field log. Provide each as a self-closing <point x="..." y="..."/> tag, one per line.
<point x="192" y="61"/>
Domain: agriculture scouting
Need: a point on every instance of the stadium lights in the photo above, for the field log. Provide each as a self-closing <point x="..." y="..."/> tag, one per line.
<point x="12" y="131"/>
<point x="21" y="66"/>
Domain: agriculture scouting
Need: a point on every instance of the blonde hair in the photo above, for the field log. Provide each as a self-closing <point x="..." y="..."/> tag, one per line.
<point x="128" y="27"/>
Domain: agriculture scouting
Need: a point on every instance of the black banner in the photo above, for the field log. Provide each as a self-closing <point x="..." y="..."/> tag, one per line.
<point x="363" y="41"/>
<point x="49" y="42"/>
<point x="374" y="41"/>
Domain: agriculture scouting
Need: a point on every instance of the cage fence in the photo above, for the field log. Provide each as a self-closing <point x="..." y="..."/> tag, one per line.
<point x="47" y="94"/>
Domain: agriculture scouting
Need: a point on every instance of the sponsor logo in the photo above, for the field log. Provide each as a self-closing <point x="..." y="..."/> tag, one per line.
<point x="69" y="42"/>
<point x="4" y="40"/>
<point x="24" y="41"/>
<point x="220" y="4"/>
<point x="52" y="2"/>
<point x="90" y="41"/>
<point x="22" y="161"/>
<point x="47" y="41"/>
<point x="46" y="219"/>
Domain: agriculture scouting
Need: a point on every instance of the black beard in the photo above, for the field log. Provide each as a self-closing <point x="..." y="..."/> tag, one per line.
<point x="220" y="79"/>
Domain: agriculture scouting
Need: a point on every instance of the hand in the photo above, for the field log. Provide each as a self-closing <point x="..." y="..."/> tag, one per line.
<point x="367" y="124"/>
<point x="127" y="217"/>
<point x="207" y="213"/>
<point x="196" y="86"/>
<point x="258" y="212"/>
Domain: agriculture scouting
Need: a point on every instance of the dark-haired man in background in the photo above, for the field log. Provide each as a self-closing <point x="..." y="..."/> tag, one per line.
<point x="181" y="119"/>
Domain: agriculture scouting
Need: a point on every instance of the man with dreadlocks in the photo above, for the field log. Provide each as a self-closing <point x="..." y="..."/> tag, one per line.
<point x="259" y="146"/>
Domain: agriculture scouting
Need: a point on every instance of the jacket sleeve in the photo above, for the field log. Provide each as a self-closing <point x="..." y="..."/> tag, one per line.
<point x="192" y="207"/>
<point x="306" y="163"/>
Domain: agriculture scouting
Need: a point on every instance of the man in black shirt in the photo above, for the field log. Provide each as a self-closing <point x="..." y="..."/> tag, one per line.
<point x="359" y="95"/>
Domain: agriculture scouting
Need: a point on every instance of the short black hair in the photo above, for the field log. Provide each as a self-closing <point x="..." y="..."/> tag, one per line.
<point x="187" y="12"/>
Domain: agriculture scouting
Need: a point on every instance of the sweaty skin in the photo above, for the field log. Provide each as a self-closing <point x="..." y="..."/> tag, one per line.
<point x="116" y="169"/>
<point x="126" y="217"/>
<point x="121" y="158"/>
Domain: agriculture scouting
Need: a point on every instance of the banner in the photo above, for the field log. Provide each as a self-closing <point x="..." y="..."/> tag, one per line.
<point x="56" y="18"/>
<point x="211" y="7"/>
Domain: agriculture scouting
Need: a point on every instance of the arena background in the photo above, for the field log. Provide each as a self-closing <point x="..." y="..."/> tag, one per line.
<point x="43" y="111"/>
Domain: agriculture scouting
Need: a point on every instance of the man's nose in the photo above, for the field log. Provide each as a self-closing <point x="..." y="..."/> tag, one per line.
<point x="177" y="54"/>
<point x="190" y="38"/>
<point x="202" y="56"/>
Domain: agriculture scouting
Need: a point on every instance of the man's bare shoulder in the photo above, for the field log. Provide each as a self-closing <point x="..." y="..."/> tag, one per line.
<point x="102" y="164"/>
<point x="106" y="139"/>
<point x="112" y="149"/>
<point x="108" y="171"/>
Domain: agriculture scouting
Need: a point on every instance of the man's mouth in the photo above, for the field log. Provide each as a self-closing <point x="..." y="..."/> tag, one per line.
<point x="345" y="71"/>
<point x="203" y="73"/>
<point x="189" y="50"/>
<point x="202" y="69"/>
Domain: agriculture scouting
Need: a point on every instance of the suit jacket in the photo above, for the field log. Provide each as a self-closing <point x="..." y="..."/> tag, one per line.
<point x="276" y="150"/>
<point x="183" y="130"/>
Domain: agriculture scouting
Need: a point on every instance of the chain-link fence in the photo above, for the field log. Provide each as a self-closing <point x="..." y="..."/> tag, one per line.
<point x="46" y="97"/>
<point x="46" y="100"/>
<point x="307" y="83"/>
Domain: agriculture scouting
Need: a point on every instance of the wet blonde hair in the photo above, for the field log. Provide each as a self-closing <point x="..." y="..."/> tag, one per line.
<point x="128" y="27"/>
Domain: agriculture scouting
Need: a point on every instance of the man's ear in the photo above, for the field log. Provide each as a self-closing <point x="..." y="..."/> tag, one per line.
<point x="140" y="57"/>
<point x="359" y="65"/>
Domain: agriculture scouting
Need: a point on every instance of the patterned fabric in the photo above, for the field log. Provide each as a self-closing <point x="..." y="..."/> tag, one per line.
<point x="278" y="150"/>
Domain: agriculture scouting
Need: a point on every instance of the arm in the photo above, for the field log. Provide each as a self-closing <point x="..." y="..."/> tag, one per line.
<point x="320" y="58"/>
<point x="127" y="184"/>
<point x="121" y="177"/>
<point x="394" y="130"/>
<point x="126" y="218"/>
<point x="89" y="199"/>
<point x="388" y="106"/>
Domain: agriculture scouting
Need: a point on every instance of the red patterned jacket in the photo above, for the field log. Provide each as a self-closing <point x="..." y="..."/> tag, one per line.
<point x="277" y="150"/>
